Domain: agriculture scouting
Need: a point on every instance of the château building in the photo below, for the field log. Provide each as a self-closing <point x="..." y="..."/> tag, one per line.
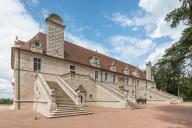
<point x="56" y="77"/>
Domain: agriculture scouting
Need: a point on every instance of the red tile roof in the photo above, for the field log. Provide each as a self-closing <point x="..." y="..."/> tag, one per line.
<point x="78" y="54"/>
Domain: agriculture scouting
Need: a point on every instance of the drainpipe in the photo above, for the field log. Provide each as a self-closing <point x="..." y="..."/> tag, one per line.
<point x="18" y="98"/>
<point x="135" y="89"/>
<point x="101" y="75"/>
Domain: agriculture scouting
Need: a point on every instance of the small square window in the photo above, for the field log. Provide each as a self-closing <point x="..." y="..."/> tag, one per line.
<point x="36" y="44"/>
<point x="72" y="67"/>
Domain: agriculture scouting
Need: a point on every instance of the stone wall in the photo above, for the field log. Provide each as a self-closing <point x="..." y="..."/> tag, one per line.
<point x="50" y="65"/>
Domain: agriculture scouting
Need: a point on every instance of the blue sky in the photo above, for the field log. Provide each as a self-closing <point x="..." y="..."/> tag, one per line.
<point x="103" y="22"/>
<point x="133" y="31"/>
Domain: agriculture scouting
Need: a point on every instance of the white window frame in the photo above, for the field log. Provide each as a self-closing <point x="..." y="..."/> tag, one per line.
<point x="114" y="78"/>
<point x="106" y="76"/>
<point x="127" y="81"/>
<point x="96" y="76"/>
<point x="37" y="64"/>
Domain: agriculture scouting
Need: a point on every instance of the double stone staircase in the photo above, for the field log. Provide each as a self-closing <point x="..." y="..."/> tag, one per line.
<point x="59" y="103"/>
<point x="65" y="105"/>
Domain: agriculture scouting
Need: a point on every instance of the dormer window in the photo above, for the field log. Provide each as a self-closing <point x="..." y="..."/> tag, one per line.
<point x="94" y="60"/>
<point x="36" y="44"/>
<point x="137" y="72"/>
<point x="126" y="70"/>
<point x="113" y="67"/>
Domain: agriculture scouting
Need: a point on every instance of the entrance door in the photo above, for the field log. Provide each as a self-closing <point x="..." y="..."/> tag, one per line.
<point x="81" y="97"/>
<point x="82" y="94"/>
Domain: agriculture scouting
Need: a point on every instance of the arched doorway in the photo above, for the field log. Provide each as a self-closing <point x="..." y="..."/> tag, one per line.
<point x="82" y="94"/>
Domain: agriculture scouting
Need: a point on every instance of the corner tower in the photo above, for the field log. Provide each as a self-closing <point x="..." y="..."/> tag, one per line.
<point x="55" y="36"/>
<point x="148" y="71"/>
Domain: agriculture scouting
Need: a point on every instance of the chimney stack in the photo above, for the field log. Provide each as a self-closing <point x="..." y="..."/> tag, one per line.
<point x="55" y="36"/>
<point x="148" y="71"/>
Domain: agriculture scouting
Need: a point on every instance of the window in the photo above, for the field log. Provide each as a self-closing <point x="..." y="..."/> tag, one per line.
<point x="127" y="91"/>
<point x="96" y="75"/>
<point x="137" y="82"/>
<point x="127" y="81"/>
<point x="72" y="68"/>
<point x="96" y="59"/>
<point x="36" y="44"/>
<point x="146" y="85"/>
<point x="114" y="78"/>
<point x="132" y="81"/>
<point x="37" y="64"/>
<point x="137" y="72"/>
<point x="133" y="93"/>
<point x="106" y="76"/>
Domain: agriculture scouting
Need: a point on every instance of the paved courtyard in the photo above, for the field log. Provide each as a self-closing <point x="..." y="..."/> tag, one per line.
<point x="153" y="116"/>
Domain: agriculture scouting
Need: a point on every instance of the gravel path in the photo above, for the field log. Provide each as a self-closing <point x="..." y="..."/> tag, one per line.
<point x="161" y="116"/>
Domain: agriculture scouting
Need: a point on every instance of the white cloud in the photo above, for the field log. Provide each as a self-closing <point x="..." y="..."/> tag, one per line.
<point x="5" y="90"/>
<point x="15" y="21"/>
<point x="81" y="41"/>
<point x="128" y="48"/>
<point x="45" y="13"/>
<point x="35" y="1"/>
<point x="158" y="52"/>
<point x="125" y="20"/>
<point x="152" y="20"/>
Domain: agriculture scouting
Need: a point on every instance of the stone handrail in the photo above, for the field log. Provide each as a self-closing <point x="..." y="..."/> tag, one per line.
<point x="166" y="93"/>
<point x="162" y="93"/>
<point x="75" y="75"/>
<point x="45" y="85"/>
<point x="66" y="75"/>
<point x="71" y="93"/>
<point x="119" y="95"/>
<point x="112" y="89"/>
<point x="130" y="97"/>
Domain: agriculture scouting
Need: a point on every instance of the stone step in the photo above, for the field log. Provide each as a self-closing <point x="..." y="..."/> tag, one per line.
<point x="65" y="103"/>
<point x="68" y="106"/>
<point x="66" y="115"/>
<point x="68" y="110"/>
<point x="62" y="97"/>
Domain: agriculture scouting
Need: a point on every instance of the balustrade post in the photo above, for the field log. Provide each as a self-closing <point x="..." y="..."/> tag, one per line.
<point x="78" y="98"/>
<point x="125" y="95"/>
<point x="53" y="105"/>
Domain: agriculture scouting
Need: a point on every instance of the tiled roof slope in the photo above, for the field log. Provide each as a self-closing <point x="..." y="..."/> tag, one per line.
<point x="78" y="54"/>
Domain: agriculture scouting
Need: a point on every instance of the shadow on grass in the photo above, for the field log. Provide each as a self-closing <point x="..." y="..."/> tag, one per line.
<point x="176" y="115"/>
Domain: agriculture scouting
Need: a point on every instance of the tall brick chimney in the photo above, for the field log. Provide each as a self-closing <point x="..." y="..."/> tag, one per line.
<point x="55" y="36"/>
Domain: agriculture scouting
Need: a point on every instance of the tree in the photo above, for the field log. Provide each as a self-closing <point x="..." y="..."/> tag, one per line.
<point x="182" y="14"/>
<point x="172" y="73"/>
